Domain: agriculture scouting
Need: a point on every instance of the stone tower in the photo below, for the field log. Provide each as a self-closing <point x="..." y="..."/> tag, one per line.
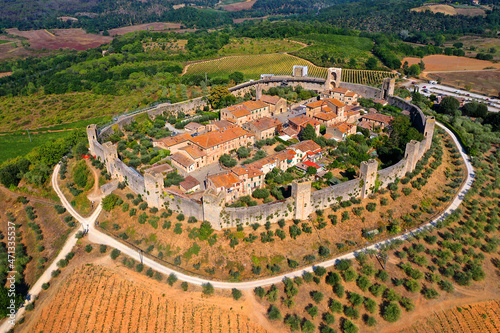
<point x="333" y="78"/>
<point x="212" y="209"/>
<point x="368" y="175"/>
<point x="388" y="87"/>
<point x="258" y="92"/>
<point x="299" y="71"/>
<point x="301" y="192"/>
<point x="430" y="122"/>
<point x="92" y="136"/>
<point x="153" y="184"/>
<point x="110" y="156"/>
<point x="411" y="155"/>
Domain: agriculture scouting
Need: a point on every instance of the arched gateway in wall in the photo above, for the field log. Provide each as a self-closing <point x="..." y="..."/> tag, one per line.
<point x="303" y="201"/>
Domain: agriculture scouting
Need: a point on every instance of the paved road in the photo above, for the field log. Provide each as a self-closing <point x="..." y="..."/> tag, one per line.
<point x="98" y="237"/>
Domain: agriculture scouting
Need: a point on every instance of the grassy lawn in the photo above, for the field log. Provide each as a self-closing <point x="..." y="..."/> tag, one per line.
<point x="254" y="65"/>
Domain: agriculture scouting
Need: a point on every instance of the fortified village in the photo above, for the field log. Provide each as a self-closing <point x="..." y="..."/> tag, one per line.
<point x="241" y="125"/>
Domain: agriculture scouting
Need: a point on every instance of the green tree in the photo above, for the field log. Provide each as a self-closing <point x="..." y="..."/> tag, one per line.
<point x="109" y="202"/>
<point x="449" y="105"/>
<point x="217" y="96"/>
<point x="308" y="133"/>
<point x="237" y="77"/>
<point x="371" y="63"/>
<point x="391" y="312"/>
<point x="414" y="70"/>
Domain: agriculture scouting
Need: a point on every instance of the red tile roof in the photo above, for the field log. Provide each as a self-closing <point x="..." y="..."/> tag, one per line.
<point x="325" y="116"/>
<point x="265" y="123"/>
<point x="182" y="160"/>
<point x="174" y="140"/>
<point x="189" y="183"/>
<point x="306" y="146"/>
<point x="226" y="180"/>
<point x="303" y="120"/>
<point x="215" y="138"/>
<point x="193" y="126"/>
<point x="382" y="118"/>
<point x="194" y="151"/>
<point x="311" y="164"/>
<point x="270" y="99"/>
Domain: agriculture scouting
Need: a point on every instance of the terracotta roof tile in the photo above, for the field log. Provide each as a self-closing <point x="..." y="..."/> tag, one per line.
<point x="189" y="183"/>
<point x="226" y="180"/>
<point x="306" y="146"/>
<point x="265" y="123"/>
<point x="325" y="116"/>
<point x="182" y="160"/>
<point x="193" y="126"/>
<point x="218" y="137"/>
<point x="174" y="140"/>
<point x="270" y="99"/>
<point x="194" y="151"/>
<point x="335" y="102"/>
<point x="344" y="127"/>
<point x="303" y="120"/>
<point x="378" y="117"/>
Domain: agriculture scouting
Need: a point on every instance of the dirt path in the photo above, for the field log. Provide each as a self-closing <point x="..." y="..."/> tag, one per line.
<point x="96" y="193"/>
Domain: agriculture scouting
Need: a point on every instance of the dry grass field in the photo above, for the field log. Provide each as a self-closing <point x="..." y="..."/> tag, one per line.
<point x="485" y="82"/>
<point x="237" y="6"/>
<point x="154" y="26"/>
<point x="440" y="62"/>
<point x="450" y="10"/>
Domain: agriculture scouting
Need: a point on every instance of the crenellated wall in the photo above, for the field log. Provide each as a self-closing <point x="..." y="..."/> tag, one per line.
<point x="303" y="200"/>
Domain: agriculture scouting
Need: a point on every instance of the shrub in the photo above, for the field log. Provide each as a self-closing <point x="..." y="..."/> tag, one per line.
<point x="60" y="209"/>
<point x="349" y="275"/>
<point x="351" y="312"/>
<point x="370" y="305"/>
<point x="335" y="306"/>
<point x="109" y="202"/>
<point x="30" y="306"/>
<point x="45" y="286"/>
<point x="328" y="318"/>
<point x="184" y="286"/>
<point x="338" y="289"/>
<point x="430" y="293"/>
<point x="308" y="327"/>
<point x="274" y="313"/>
<point x="171" y="279"/>
<point x="88" y="248"/>
<point x="236" y="293"/>
<point x="319" y="270"/>
<point x="369" y="321"/>
<point x="391" y="312"/>
<point x="115" y="253"/>
<point x="407" y="303"/>
<point x="343" y="265"/>
<point x="312" y="311"/>
<point x="349" y="327"/>
<point x="208" y="289"/>
<point x="180" y="217"/>
<point x="371" y="207"/>
<point x="178" y="229"/>
<point x="139" y="268"/>
<point x="102" y="248"/>
<point x="317" y="296"/>
<point x="363" y="282"/>
<point x="259" y="291"/>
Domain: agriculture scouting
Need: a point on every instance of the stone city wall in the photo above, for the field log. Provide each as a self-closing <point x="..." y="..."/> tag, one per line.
<point x="211" y="208"/>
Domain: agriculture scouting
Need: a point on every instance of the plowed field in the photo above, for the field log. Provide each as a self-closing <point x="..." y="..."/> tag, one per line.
<point x="478" y="317"/>
<point x="95" y="299"/>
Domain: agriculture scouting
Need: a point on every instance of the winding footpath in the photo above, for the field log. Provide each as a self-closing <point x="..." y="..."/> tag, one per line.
<point x="99" y="237"/>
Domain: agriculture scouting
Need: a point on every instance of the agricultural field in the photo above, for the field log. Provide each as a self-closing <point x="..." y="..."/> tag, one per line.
<point x="236" y="5"/>
<point x="476" y="317"/>
<point x="154" y="26"/>
<point x="19" y="143"/>
<point x="258" y="46"/>
<point x="253" y="66"/>
<point x="326" y="50"/>
<point x="35" y="111"/>
<point x="440" y="62"/>
<point x="106" y="297"/>
<point x="451" y="10"/>
<point x="485" y="82"/>
<point x="475" y="44"/>
<point x="54" y="39"/>
<point x="366" y="77"/>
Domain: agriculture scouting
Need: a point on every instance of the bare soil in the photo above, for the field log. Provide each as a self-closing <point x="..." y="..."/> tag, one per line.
<point x="449" y="10"/>
<point x="235" y="7"/>
<point x="154" y="26"/>
<point x="54" y="39"/>
<point x="440" y="62"/>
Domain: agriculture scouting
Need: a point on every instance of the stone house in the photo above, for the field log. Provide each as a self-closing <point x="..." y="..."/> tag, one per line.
<point x="172" y="143"/>
<point x="331" y="106"/>
<point x="277" y="105"/>
<point x="219" y="125"/>
<point x="190" y="184"/>
<point x="299" y="123"/>
<point x="245" y="112"/>
<point x="183" y="163"/>
<point x="227" y="183"/>
<point x="193" y="127"/>
<point x="341" y="131"/>
<point x="377" y="120"/>
<point x="252" y="178"/>
<point x="307" y="150"/>
<point x="343" y="95"/>
<point x="263" y="128"/>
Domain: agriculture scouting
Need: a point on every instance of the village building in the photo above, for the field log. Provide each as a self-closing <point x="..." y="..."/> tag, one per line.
<point x="227" y="183"/>
<point x="196" y="154"/>
<point x="219" y="125"/>
<point x="341" y="131"/>
<point x="252" y="178"/>
<point x="264" y="128"/>
<point x="277" y="105"/>
<point x="193" y="127"/>
<point x="245" y="112"/>
<point x="331" y="106"/>
<point x="183" y="163"/>
<point x="343" y="95"/>
<point x="307" y="150"/>
<point x="217" y="143"/>
<point x="297" y="124"/>
<point x="375" y="120"/>
<point x="190" y="184"/>
<point x="173" y="143"/>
